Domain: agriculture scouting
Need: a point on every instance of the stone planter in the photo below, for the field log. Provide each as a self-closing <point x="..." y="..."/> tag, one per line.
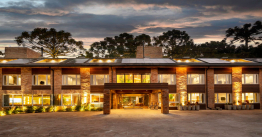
<point x="197" y="107"/>
<point x="180" y="108"/>
<point x="234" y="107"/>
<point x="239" y="107"/>
<point x="243" y="107"/>
<point x="184" y="107"/>
<point x="247" y="107"/>
<point x="193" y="107"/>
<point x="189" y="107"/>
<point x="252" y="107"/>
<point x="226" y="106"/>
<point x="229" y="107"/>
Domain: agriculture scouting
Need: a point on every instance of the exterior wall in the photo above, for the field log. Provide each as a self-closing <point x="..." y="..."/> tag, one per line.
<point x="114" y="75"/>
<point x="260" y="86"/>
<point x="181" y="83"/>
<point x="1" y="91"/>
<point x="154" y="97"/>
<point x="85" y="84"/>
<point x="210" y="88"/>
<point x="107" y="101"/>
<point x="165" y="101"/>
<point x="150" y="52"/>
<point x="20" y="52"/>
<point x="237" y="85"/>
<point x="26" y="80"/>
<point x="154" y="75"/>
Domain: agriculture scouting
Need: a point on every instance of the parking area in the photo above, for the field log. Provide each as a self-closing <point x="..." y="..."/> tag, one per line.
<point x="135" y="122"/>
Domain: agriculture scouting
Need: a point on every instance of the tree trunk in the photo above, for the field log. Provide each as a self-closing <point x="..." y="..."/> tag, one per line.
<point x="246" y="42"/>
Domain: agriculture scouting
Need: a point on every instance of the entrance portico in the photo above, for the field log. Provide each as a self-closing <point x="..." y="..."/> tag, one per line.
<point x="139" y="88"/>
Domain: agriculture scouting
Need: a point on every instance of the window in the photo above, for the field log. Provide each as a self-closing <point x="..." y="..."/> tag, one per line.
<point x="71" y="80"/>
<point x="173" y="99"/>
<point x="133" y="78"/>
<point x="195" y="79"/>
<point x="97" y="100"/>
<point x="250" y="78"/>
<point x="167" y="78"/>
<point x="222" y="78"/>
<point x="11" y="80"/>
<point x="41" y="79"/>
<point x="196" y="97"/>
<point x="27" y="100"/>
<point x="99" y="79"/>
<point x="223" y="98"/>
<point x="70" y="100"/>
<point x="250" y="97"/>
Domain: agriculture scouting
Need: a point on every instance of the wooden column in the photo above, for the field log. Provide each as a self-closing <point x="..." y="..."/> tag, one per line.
<point x="107" y="101"/>
<point x="164" y="101"/>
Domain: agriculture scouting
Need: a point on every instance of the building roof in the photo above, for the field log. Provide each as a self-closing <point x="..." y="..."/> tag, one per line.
<point x="84" y="62"/>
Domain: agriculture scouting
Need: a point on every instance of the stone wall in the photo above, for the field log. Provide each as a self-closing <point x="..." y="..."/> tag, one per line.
<point x="181" y="83"/>
<point x="237" y="85"/>
<point x="165" y="101"/>
<point x="154" y="75"/>
<point x="260" y="86"/>
<point x="20" y="52"/>
<point x="150" y="52"/>
<point x="210" y="88"/>
<point x="26" y="80"/>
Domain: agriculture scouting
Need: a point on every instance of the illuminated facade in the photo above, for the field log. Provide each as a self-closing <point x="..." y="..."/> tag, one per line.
<point x="130" y="83"/>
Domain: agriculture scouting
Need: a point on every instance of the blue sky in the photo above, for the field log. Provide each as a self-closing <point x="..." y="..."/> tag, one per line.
<point x="93" y="20"/>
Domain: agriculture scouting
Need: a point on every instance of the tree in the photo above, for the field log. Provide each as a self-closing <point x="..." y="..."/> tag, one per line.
<point x="245" y="34"/>
<point x="53" y="43"/>
<point x="171" y="40"/>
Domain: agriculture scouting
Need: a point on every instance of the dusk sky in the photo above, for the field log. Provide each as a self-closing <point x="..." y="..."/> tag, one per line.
<point x="92" y="20"/>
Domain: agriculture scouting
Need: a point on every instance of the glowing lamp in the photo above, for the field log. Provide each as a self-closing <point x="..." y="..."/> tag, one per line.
<point x="187" y="60"/>
<point x="4" y="61"/>
<point x="179" y="61"/>
<point x="108" y="61"/>
<point x="232" y="61"/>
<point x="52" y="61"/>
<point x="100" y="61"/>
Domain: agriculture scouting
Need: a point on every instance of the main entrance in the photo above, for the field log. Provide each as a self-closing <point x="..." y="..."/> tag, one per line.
<point x="134" y="101"/>
<point x="135" y="95"/>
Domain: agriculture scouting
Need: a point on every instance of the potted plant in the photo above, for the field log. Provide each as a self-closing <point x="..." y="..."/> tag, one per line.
<point x="243" y="107"/>
<point x="185" y="107"/>
<point x="247" y="104"/>
<point x="239" y="106"/>
<point x="226" y="106"/>
<point x="234" y="105"/>
<point x="193" y="106"/>
<point x="252" y="107"/>
<point x="229" y="106"/>
<point x="188" y="105"/>
<point x="197" y="106"/>
<point x="180" y="106"/>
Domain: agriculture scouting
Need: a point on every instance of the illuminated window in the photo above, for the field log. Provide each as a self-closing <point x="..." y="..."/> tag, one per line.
<point x="27" y="100"/>
<point x="17" y="100"/>
<point x="173" y="99"/>
<point x="13" y="100"/>
<point x="70" y="99"/>
<point x="41" y="79"/>
<point x="99" y="79"/>
<point x="97" y="100"/>
<point x="51" y="61"/>
<point x="236" y="60"/>
<point x="196" y="97"/>
<point x="249" y="78"/>
<point x="46" y="100"/>
<point x="128" y="78"/>
<point x="57" y="100"/>
<point x="102" y="61"/>
<point x="146" y="78"/>
<point x="195" y="79"/>
<point x="187" y="61"/>
<point x="133" y="78"/>
<point x="137" y="78"/>
<point x="71" y="80"/>
<point x="120" y="78"/>
<point x="11" y="80"/>
<point x="37" y="100"/>
<point x="223" y="98"/>
<point x="222" y="78"/>
<point x="167" y="78"/>
<point x="250" y="97"/>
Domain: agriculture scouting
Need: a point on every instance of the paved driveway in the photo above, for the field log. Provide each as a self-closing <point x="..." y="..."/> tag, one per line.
<point x="120" y="123"/>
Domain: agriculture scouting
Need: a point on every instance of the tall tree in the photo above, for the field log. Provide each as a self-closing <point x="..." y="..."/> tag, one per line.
<point x="245" y="34"/>
<point x="54" y="43"/>
<point x="171" y="40"/>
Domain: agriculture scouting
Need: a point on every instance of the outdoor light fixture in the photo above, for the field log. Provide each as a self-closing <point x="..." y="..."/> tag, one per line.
<point x="52" y="61"/>
<point x="187" y="60"/>
<point x="232" y="61"/>
<point x="179" y="61"/>
<point x="108" y="61"/>
<point x="4" y="61"/>
<point x="100" y="61"/>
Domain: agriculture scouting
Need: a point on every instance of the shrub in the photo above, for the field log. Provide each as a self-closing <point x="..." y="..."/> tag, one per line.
<point x="40" y="110"/>
<point x="50" y="109"/>
<point x="88" y="107"/>
<point x="2" y="113"/>
<point x="93" y="109"/>
<point x="99" y="109"/>
<point x="8" y="111"/>
<point x="79" y="108"/>
<point x="69" y="109"/>
<point x="31" y="109"/>
<point x="15" y="112"/>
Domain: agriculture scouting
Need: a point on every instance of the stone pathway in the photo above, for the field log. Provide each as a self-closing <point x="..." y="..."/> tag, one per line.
<point x="135" y="123"/>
